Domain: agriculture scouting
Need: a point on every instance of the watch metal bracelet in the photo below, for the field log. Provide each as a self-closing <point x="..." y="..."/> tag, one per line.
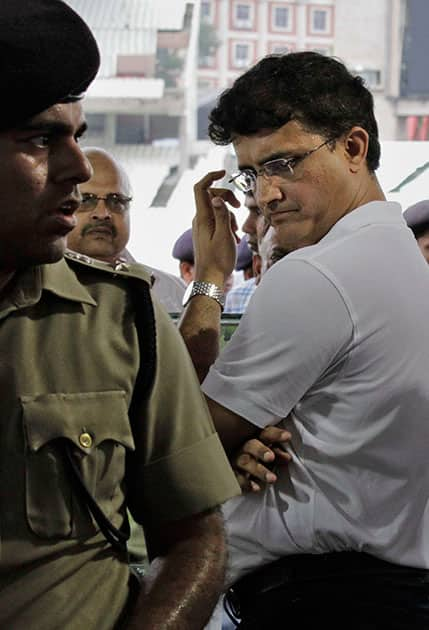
<point x="200" y="287"/>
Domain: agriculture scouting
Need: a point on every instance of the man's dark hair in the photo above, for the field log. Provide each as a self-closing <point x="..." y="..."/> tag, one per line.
<point x="315" y="90"/>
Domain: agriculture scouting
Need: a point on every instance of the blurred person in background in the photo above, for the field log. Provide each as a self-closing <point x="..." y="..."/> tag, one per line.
<point x="183" y="251"/>
<point x="238" y="297"/>
<point x="417" y="218"/>
<point x="269" y="250"/>
<point x="102" y="230"/>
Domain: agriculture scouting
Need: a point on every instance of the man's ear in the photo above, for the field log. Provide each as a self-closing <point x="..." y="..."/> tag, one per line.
<point x="186" y="271"/>
<point x="356" y="146"/>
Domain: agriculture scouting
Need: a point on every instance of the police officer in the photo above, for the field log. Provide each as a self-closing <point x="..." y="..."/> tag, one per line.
<point x="417" y="218"/>
<point x="100" y="408"/>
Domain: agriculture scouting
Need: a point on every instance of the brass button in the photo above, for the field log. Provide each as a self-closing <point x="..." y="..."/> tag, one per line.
<point x="121" y="266"/>
<point x="85" y="440"/>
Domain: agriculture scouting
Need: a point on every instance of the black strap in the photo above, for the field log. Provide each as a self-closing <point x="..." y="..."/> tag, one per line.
<point x="146" y="332"/>
<point x="115" y="536"/>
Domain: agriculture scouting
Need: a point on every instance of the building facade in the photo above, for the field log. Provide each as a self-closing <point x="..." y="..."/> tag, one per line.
<point x="383" y="41"/>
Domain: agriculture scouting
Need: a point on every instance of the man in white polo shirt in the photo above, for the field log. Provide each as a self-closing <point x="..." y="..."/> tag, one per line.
<point x="331" y="347"/>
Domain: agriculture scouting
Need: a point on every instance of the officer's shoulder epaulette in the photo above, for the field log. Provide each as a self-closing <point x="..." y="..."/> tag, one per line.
<point x="120" y="268"/>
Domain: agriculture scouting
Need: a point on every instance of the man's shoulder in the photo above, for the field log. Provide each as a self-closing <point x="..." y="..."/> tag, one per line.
<point x="81" y="263"/>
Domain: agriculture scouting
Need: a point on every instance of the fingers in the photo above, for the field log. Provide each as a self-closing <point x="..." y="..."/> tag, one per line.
<point x="251" y="467"/>
<point x="253" y="461"/>
<point x="204" y="193"/>
<point x="225" y="194"/>
<point x="272" y="434"/>
<point x="246" y="483"/>
<point x="282" y="456"/>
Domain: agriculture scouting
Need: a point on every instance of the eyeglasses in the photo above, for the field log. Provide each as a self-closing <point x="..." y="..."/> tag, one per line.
<point x="115" y="202"/>
<point x="282" y="167"/>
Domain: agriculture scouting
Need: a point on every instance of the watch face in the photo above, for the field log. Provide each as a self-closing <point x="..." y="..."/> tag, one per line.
<point x="187" y="294"/>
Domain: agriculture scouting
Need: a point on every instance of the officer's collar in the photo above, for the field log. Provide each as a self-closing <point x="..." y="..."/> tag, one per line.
<point x="62" y="281"/>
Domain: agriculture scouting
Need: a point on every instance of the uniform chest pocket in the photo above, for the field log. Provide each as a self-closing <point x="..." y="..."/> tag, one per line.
<point x="96" y="429"/>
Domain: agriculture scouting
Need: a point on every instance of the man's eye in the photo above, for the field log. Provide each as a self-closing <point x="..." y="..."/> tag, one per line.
<point x="280" y="166"/>
<point x="80" y="136"/>
<point x="40" y="141"/>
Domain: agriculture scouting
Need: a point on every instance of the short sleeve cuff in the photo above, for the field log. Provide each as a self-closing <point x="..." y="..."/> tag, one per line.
<point x="245" y="404"/>
<point x="189" y="482"/>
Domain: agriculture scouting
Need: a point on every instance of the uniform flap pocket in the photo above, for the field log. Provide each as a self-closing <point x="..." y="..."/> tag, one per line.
<point x="87" y="419"/>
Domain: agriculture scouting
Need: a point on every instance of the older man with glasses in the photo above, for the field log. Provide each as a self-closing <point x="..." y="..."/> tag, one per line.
<point x="102" y="228"/>
<point x="330" y="348"/>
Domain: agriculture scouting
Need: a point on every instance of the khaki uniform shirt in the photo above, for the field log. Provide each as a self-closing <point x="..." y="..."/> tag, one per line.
<point x="68" y="362"/>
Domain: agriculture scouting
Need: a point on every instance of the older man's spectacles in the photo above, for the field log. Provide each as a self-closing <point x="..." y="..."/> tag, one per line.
<point x="246" y="180"/>
<point x="115" y="202"/>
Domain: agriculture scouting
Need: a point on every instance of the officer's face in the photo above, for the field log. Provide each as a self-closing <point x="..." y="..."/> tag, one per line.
<point x="423" y="243"/>
<point x="102" y="231"/>
<point x="41" y="166"/>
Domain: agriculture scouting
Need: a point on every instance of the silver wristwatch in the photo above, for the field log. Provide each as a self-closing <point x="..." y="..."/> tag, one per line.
<point x="198" y="287"/>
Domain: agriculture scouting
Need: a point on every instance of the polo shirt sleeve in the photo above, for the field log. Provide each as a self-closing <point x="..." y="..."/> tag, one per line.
<point x="294" y="332"/>
<point x="179" y="467"/>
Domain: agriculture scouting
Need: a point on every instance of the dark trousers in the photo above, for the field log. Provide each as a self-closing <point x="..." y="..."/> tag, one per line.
<point x="336" y="591"/>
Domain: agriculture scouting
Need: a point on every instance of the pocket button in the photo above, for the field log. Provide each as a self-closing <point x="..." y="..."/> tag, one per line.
<point x="85" y="440"/>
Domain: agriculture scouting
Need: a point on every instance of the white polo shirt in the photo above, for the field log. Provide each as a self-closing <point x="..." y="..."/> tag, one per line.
<point x="337" y="336"/>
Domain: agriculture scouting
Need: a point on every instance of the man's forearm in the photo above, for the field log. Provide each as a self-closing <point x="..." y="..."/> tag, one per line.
<point x="185" y="582"/>
<point x="200" y="329"/>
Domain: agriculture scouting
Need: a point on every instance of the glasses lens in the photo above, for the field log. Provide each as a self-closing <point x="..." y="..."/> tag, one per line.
<point x="245" y="181"/>
<point x="117" y="202"/>
<point x="281" y="168"/>
<point x="88" y="203"/>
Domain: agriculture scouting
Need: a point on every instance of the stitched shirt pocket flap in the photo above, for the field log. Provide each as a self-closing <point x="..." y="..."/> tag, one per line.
<point x="87" y="419"/>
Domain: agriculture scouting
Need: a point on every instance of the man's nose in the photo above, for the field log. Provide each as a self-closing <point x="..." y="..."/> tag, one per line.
<point x="72" y="165"/>
<point x="249" y="225"/>
<point x="101" y="211"/>
<point x="267" y="194"/>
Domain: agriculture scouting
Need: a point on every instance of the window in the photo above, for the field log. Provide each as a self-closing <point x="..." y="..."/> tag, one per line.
<point x="207" y="61"/>
<point x="243" y="15"/>
<point x="325" y="50"/>
<point x="242" y="12"/>
<point x="96" y="125"/>
<point x="241" y="57"/>
<point x="280" y="49"/>
<point x="206" y="12"/>
<point x="320" y="21"/>
<point x="131" y="66"/>
<point x="281" y="17"/>
<point x="130" y="129"/>
<point x="371" y="77"/>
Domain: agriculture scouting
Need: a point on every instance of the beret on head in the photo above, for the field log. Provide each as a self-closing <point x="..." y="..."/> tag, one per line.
<point x="244" y="255"/>
<point x="184" y="248"/>
<point x="48" y="55"/>
<point x="417" y="216"/>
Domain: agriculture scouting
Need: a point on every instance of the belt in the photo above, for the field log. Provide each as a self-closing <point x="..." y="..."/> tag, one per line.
<point x="302" y="568"/>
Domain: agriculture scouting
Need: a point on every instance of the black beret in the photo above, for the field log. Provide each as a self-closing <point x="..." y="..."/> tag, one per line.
<point x="184" y="248"/>
<point x="244" y="255"/>
<point x="48" y="55"/>
<point x="417" y="216"/>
